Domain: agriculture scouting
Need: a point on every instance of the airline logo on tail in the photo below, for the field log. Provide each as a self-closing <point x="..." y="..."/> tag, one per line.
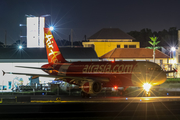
<point x="53" y="53"/>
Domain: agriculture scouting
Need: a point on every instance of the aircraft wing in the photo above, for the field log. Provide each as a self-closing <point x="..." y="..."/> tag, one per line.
<point x="60" y="77"/>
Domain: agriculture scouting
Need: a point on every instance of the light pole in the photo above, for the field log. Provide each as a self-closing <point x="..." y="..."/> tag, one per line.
<point x="171" y="52"/>
<point x="172" y="57"/>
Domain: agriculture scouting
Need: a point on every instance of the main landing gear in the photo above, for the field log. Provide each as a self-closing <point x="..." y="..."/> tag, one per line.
<point x="122" y="92"/>
<point x="84" y="95"/>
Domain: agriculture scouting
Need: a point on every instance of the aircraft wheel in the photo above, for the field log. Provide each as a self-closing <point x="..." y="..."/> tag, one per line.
<point x="87" y="95"/>
<point x="83" y="94"/>
<point x="121" y="92"/>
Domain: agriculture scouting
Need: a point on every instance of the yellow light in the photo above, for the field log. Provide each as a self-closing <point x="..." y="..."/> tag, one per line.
<point x="146" y="87"/>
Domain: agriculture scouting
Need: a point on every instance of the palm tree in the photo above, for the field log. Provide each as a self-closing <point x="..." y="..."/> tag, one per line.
<point x="153" y="42"/>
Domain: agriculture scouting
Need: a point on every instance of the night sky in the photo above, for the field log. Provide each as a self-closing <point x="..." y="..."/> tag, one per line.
<point x="86" y="17"/>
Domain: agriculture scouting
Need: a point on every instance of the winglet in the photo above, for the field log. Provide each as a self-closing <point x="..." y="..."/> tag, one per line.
<point x="3" y="72"/>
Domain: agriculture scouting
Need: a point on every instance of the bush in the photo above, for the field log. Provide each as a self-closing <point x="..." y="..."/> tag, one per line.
<point x="173" y="80"/>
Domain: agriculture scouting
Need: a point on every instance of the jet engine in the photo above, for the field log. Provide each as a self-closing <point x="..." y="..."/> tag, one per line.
<point x="92" y="87"/>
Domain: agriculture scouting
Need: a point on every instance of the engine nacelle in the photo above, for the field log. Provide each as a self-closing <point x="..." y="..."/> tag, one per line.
<point x="91" y="87"/>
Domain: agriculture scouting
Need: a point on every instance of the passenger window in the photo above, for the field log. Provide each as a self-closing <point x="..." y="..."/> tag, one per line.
<point x="157" y="69"/>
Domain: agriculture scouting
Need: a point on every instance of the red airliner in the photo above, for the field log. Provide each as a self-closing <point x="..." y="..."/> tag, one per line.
<point x="91" y="77"/>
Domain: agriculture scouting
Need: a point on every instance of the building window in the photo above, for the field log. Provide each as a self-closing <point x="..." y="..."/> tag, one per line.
<point x="92" y="45"/>
<point x="179" y="59"/>
<point x="118" y="46"/>
<point x="125" y="46"/>
<point x="161" y="62"/>
<point x="167" y="60"/>
<point x="132" y="46"/>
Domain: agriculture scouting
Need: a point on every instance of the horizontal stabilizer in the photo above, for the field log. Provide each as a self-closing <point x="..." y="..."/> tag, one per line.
<point x="35" y="68"/>
<point x="29" y="74"/>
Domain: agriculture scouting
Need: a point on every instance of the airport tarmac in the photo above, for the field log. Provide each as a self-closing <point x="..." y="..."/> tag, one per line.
<point x="93" y="99"/>
<point x="95" y="107"/>
<point x="90" y="110"/>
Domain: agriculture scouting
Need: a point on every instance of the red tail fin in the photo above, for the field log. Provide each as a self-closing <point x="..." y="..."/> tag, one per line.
<point x="53" y="53"/>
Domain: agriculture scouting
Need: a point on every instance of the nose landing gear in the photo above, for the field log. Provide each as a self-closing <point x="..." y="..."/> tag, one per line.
<point x="147" y="94"/>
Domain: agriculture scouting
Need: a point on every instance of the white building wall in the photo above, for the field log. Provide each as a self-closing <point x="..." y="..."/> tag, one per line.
<point x="14" y="79"/>
<point x="41" y="35"/>
<point x="35" y="32"/>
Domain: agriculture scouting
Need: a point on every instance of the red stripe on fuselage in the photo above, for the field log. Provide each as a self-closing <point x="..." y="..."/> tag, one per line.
<point x="118" y="72"/>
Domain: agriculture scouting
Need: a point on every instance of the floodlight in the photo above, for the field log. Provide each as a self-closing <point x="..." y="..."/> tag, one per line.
<point x="20" y="46"/>
<point x="173" y="48"/>
<point x="51" y="28"/>
<point x="147" y="87"/>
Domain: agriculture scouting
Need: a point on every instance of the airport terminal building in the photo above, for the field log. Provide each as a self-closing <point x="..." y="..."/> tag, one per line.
<point x="34" y="57"/>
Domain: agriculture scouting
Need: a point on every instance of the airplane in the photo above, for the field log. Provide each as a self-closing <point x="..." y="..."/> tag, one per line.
<point x="91" y="77"/>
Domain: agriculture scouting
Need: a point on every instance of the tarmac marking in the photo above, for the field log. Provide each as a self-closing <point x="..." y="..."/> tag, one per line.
<point x="35" y="101"/>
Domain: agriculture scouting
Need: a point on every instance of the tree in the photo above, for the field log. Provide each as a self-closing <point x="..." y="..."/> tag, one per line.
<point x="167" y="37"/>
<point x="142" y="36"/>
<point x="153" y="42"/>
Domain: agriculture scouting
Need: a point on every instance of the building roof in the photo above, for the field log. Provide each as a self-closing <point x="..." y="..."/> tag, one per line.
<point x="134" y="53"/>
<point x="111" y="33"/>
<point x="79" y="53"/>
<point x="40" y="53"/>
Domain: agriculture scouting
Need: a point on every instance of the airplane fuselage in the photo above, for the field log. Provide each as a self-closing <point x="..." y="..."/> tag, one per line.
<point x="119" y="73"/>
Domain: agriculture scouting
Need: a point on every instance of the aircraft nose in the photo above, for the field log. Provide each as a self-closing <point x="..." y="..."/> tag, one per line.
<point x="159" y="79"/>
